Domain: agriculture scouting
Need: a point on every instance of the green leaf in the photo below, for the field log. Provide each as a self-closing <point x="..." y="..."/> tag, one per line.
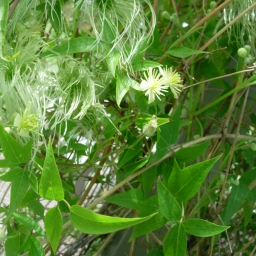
<point x="192" y="153"/>
<point x="6" y="163"/>
<point x="92" y="223"/>
<point x="146" y="208"/>
<point x="157" y="252"/>
<point x="145" y="65"/>
<point x="13" y="174"/>
<point x="183" y="52"/>
<point x="123" y="84"/>
<point x="50" y="186"/>
<point x="12" y="149"/>
<point x="112" y="61"/>
<point x="202" y="228"/>
<point x="12" y="245"/>
<point x="236" y="199"/>
<point x="29" y="222"/>
<point x="35" y="247"/>
<point x="129" y="199"/>
<point x="168" y="206"/>
<point x="55" y="17"/>
<point x="175" y="243"/>
<point x="129" y="154"/>
<point x="53" y="227"/>
<point x="167" y="138"/>
<point x="75" y="45"/>
<point x="249" y="156"/>
<point x="108" y="33"/>
<point x="148" y="179"/>
<point x="128" y="169"/>
<point x="36" y="207"/>
<point x="184" y="184"/>
<point x="18" y="191"/>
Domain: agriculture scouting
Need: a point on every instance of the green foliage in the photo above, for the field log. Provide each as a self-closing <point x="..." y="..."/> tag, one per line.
<point x="50" y="186"/>
<point x="92" y="223"/>
<point x="127" y="114"/>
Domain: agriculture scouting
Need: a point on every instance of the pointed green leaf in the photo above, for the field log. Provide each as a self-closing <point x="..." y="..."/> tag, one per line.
<point x="54" y="14"/>
<point x="146" y="208"/>
<point x="18" y="191"/>
<point x="148" y="180"/>
<point x="202" y="228"/>
<point x="50" y="186"/>
<point x="157" y="252"/>
<point x="123" y="84"/>
<point x="112" y="61"/>
<point x="12" y="245"/>
<point x="236" y="199"/>
<point x="75" y="45"/>
<point x="12" y="149"/>
<point x="29" y="222"/>
<point x="36" y="207"/>
<point x="168" y="206"/>
<point x="129" y="199"/>
<point x="192" y="153"/>
<point x="92" y="223"/>
<point x="175" y="243"/>
<point x="35" y="247"/>
<point x="183" y="52"/>
<point x="184" y="184"/>
<point x="167" y="138"/>
<point x="13" y="174"/>
<point x="53" y="227"/>
<point x="6" y="163"/>
<point x="145" y="65"/>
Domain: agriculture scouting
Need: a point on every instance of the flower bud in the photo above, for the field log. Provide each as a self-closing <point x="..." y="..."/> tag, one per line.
<point x="242" y="52"/>
<point x="150" y="128"/>
<point x="166" y="15"/>
<point x="213" y="4"/>
<point x="253" y="146"/>
<point x="247" y="48"/>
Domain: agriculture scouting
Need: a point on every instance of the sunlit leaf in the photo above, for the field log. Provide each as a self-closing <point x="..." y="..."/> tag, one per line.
<point x="50" y="186"/>
<point x="92" y="223"/>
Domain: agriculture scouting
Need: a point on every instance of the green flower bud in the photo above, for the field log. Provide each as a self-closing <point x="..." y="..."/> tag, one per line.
<point x="209" y="10"/>
<point x="166" y="15"/>
<point x="247" y="48"/>
<point x="213" y="4"/>
<point x="249" y="59"/>
<point x="242" y="52"/>
<point x="253" y="146"/>
<point x="197" y="136"/>
<point x="174" y="18"/>
<point x="150" y="128"/>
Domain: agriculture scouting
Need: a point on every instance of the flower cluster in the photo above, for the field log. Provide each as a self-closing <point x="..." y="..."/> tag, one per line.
<point x="26" y="123"/>
<point x="158" y="81"/>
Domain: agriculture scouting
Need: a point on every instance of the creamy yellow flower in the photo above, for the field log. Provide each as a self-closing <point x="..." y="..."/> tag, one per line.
<point x="172" y="79"/>
<point x="153" y="85"/>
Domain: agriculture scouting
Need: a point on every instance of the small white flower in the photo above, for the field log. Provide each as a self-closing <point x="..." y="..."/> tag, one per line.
<point x="150" y="128"/>
<point x="173" y="80"/>
<point x="153" y="84"/>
